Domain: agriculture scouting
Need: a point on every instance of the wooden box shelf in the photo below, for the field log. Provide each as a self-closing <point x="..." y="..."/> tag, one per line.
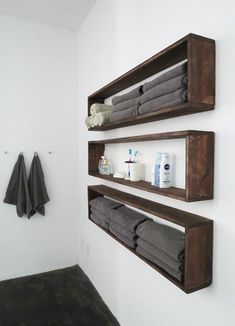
<point x="199" y="52"/>
<point x="199" y="152"/>
<point x="198" y="237"/>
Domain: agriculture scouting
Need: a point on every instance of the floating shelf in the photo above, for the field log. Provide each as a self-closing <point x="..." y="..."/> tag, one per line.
<point x="199" y="152"/>
<point x="198" y="237"/>
<point x="199" y="52"/>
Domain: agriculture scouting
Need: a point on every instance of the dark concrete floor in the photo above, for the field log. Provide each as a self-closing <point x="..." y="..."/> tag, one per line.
<point x="59" y="298"/>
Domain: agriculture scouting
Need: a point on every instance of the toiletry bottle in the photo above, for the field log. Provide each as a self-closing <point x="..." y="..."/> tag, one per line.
<point x="106" y="168"/>
<point x="165" y="171"/>
<point x="157" y="168"/>
<point x="100" y="165"/>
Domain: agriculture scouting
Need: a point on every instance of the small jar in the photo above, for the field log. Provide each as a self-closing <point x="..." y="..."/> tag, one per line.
<point x="136" y="171"/>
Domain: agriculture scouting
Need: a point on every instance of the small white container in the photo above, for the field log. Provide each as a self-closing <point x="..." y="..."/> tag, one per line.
<point x="136" y="171"/>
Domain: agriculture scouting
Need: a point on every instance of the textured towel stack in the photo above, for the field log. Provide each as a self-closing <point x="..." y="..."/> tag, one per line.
<point x="163" y="246"/>
<point x="99" y="114"/>
<point x="126" y="106"/>
<point x="168" y="89"/>
<point x="123" y="223"/>
<point x="100" y="208"/>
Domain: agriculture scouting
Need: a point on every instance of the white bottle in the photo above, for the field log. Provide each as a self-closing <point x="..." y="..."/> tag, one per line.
<point x="156" y="171"/>
<point x="165" y="171"/>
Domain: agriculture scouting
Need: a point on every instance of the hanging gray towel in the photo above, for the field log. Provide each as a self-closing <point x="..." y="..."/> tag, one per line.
<point x="37" y="187"/>
<point x="17" y="191"/>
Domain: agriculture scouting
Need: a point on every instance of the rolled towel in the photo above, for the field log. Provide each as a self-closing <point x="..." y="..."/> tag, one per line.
<point x="102" y="117"/>
<point x="127" y="96"/>
<point x="124" y="114"/>
<point x="174" y="98"/>
<point x="99" y="221"/>
<point x="176" y="274"/>
<point x="166" y="87"/>
<point x="164" y="237"/>
<point x="128" y="242"/>
<point x="100" y="107"/>
<point x="104" y="204"/>
<point x="126" y="105"/>
<point x="126" y="217"/>
<point x="125" y="232"/>
<point x="179" y="70"/>
<point x="159" y="254"/>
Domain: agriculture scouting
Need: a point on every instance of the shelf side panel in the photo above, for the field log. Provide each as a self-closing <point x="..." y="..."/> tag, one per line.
<point x="201" y="71"/>
<point x="199" y="167"/>
<point x="95" y="151"/>
<point x="198" y="256"/>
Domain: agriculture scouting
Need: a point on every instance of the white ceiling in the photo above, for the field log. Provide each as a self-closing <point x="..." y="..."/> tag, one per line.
<point x="58" y="13"/>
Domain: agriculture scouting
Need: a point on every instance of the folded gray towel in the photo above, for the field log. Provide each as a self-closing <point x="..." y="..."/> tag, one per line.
<point x="128" y="242"/>
<point x="179" y="70"/>
<point x="127" y="96"/>
<point x="125" y="232"/>
<point x="101" y="215"/>
<point x="127" y="218"/>
<point x="37" y="187"/>
<point x="159" y="254"/>
<point x="99" y="221"/>
<point x="166" y="87"/>
<point x="176" y="274"/>
<point x="166" y="238"/>
<point x="126" y="105"/>
<point x="124" y="114"/>
<point x="177" y="97"/>
<point x="17" y="191"/>
<point x="104" y="204"/>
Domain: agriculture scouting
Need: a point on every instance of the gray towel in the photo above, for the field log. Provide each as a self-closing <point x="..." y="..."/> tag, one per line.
<point x="99" y="221"/>
<point x="127" y="96"/>
<point x="128" y="242"/>
<point x="17" y="191"/>
<point x="177" y="97"/>
<point x="127" y="218"/>
<point x="176" y="274"/>
<point x="101" y="215"/>
<point x="179" y="70"/>
<point x="159" y="254"/>
<point x="126" y="105"/>
<point x="124" y="114"/>
<point x="37" y="187"/>
<point x="166" y="238"/>
<point x="125" y="232"/>
<point x="166" y="87"/>
<point x="104" y="204"/>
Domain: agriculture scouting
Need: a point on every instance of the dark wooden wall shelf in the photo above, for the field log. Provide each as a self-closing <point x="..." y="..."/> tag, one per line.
<point x="198" y="237"/>
<point x="199" y="152"/>
<point x="200" y="54"/>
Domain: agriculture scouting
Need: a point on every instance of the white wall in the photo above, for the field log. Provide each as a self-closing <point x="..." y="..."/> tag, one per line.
<point x="38" y="112"/>
<point x="116" y="36"/>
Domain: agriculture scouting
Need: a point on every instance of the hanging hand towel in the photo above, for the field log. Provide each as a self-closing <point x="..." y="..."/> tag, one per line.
<point x="37" y="187"/>
<point x="17" y="191"/>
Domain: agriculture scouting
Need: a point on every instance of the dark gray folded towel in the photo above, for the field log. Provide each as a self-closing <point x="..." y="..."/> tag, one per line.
<point x="126" y="105"/>
<point x="37" y="187"/>
<point x="166" y="238"/>
<point x="124" y="114"/>
<point x="127" y="96"/>
<point x="125" y="232"/>
<point x="166" y="87"/>
<point x="101" y="215"/>
<point x="17" y="191"/>
<point x="104" y="204"/>
<point x="179" y="70"/>
<point x="159" y="254"/>
<point x="177" y="97"/>
<point x="127" y="241"/>
<point x="99" y="221"/>
<point x="127" y="218"/>
<point x="176" y="274"/>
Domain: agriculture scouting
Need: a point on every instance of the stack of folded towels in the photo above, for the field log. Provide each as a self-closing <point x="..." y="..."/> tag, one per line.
<point x="120" y="220"/>
<point x="163" y="246"/>
<point x="168" y="89"/>
<point x="99" y="114"/>
<point x="100" y="210"/>
<point x="126" y="106"/>
<point x="123" y="223"/>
